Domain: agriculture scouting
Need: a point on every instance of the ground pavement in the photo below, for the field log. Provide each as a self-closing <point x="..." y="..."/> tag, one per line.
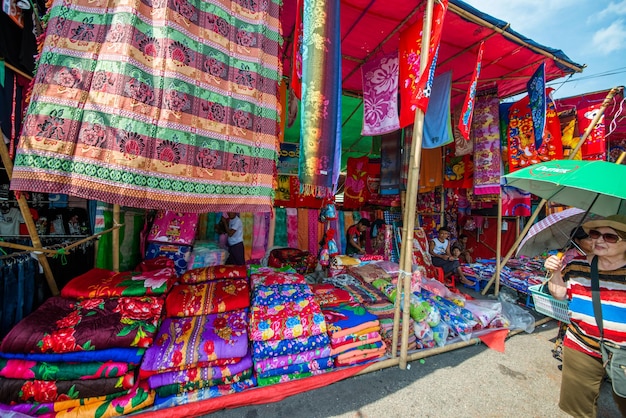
<point x="473" y="381"/>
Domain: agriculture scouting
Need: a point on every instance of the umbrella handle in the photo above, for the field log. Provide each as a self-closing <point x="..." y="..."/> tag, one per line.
<point x="549" y="273"/>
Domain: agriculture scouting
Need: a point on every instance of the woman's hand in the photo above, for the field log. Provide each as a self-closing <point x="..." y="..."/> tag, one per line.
<point x="553" y="263"/>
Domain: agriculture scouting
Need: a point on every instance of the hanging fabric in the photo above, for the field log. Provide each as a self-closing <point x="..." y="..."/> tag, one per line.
<point x="467" y="112"/>
<point x="486" y="144"/>
<point x="380" y="92"/>
<point x="320" y="139"/>
<point x="156" y="105"/>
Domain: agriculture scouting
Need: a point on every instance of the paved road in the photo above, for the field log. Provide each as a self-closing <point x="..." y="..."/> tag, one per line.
<point x="473" y="381"/>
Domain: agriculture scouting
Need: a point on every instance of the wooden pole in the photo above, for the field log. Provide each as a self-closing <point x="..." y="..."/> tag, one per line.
<point x="30" y="223"/>
<point x="116" y="238"/>
<point x="408" y="222"/>
<point x="272" y="229"/>
<point x="583" y="138"/>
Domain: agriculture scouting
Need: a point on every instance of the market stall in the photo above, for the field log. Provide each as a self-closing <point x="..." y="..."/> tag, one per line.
<point x="212" y="148"/>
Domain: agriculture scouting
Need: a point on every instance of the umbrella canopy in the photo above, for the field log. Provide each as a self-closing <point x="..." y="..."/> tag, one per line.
<point x="593" y="185"/>
<point x="552" y="232"/>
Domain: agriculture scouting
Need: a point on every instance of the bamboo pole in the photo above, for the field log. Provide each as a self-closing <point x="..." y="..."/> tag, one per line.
<point x="26" y="247"/>
<point x="408" y="222"/>
<point x="115" y="234"/>
<point x="30" y="223"/>
<point x="520" y="237"/>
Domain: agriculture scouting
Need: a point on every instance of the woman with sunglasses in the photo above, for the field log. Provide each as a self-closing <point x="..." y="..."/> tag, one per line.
<point x="583" y="371"/>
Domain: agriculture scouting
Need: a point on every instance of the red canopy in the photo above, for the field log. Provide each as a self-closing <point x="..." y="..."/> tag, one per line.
<point x="369" y="27"/>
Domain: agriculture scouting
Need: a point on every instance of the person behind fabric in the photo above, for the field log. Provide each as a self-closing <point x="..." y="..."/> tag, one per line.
<point x="441" y="256"/>
<point x="234" y="230"/>
<point x="355" y="238"/>
<point x="465" y="252"/>
<point x="583" y="371"/>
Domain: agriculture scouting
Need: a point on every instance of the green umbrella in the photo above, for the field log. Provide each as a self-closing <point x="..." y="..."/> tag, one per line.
<point x="597" y="186"/>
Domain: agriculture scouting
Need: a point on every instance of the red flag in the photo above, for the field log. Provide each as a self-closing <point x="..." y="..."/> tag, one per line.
<point x="465" y="121"/>
<point x="425" y="82"/>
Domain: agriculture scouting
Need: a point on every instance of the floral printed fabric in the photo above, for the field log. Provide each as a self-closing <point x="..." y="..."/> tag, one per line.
<point x="283" y="307"/>
<point x="380" y="92"/>
<point x="207" y="298"/>
<point x="101" y="283"/>
<point x="40" y="370"/>
<point x="176" y="388"/>
<point x="162" y="402"/>
<point x="266" y="349"/>
<point x="188" y="342"/>
<point x="309" y="366"/>
<point x="207" y="274"/>
<point x="122" y="403"/>
<point x="289" y="359"/>
<point x="197" y="374"/>
<point x="30" y="390"/>
<point x="63" y="325"/>
<point x="272" y="380"/>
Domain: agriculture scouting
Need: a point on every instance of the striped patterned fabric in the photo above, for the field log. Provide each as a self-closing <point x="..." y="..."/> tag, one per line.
<point x="156" y="104"/>
<point x="582" y="333"/>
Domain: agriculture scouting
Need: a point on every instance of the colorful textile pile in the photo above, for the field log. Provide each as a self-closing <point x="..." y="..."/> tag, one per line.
<point x="202" y="345"/>
<point x="287" y="328"/>
<point x="354" y="334"/>
<point x="172" y="235"/>
<point x="78" y="352"/>
<point x="179" y="110"/>
<point x="518" y="273"/>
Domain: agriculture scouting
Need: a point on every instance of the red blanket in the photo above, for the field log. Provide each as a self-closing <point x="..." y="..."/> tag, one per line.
<point x="207" y="298"/>
<point x="207" y="274"/>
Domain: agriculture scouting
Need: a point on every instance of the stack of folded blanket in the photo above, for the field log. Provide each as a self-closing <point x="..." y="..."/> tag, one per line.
<point x="78" y="351"/>
<point x="287" y="328"/>
<point x="355" y="334"/>
<point x="201" y="350"/>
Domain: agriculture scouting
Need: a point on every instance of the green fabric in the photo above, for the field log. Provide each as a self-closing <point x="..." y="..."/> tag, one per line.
<point x="130" y="255"/>
<point x="280" y="233"/>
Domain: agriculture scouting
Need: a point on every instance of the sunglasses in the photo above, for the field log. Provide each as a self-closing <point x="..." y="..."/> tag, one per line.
<point x="610" y="238"/>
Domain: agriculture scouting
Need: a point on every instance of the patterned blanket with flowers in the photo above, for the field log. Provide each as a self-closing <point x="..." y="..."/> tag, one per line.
<point x="116" y="404"/>
<point x="101" y="283"/>
<point x="168" y="104"/>
<point x="195" y="341"/>
<point x="62" y="325"/>
<point x="207" y="298"/>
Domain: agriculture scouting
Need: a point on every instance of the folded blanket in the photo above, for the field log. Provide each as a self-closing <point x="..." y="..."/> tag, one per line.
<point x="283" y="361"/>
<point x="271" y="277"/>
<point x="363" y="353"/>
<point x="131" y="355"/>
<point x="207" y="298"/>
<point x="206" y="274"/>
<point x="275" y="295"/>
<point x="30" y="390"/>
<point x="335" y="351"/>
<point x="41" y="370"/>
<point x="194" y="341"/>
<point x="329" y="295"/>
<point x="361" y="335"/>
<point x="273" y="348"/>
<point x="197" y="374"/>
<point x="99" y="283"/>
<point x="176" y="388"/>
<point x="202" y="394"/>
<point x="346" y="319"/>
<point x="286" y="322"/>
<point x="62" y="325"/>
<point x="313" y="365"/>
<point x="121" y="403"/>
<point x="272" y="380"/>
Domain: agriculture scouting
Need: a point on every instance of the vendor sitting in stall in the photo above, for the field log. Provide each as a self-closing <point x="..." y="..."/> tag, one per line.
<point x="355" y="239"/>
<point x="441" y="256"/>
<point x="465" y="252"/>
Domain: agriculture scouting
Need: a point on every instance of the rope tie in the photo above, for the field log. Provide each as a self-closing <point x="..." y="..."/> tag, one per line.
<point x="61" y="252"/>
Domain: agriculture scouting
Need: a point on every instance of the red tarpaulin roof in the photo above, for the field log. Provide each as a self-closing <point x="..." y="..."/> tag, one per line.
<point x="370" y="27"/>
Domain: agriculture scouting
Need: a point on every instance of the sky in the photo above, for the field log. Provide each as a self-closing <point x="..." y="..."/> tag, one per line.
<point x="589" y="32"/>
